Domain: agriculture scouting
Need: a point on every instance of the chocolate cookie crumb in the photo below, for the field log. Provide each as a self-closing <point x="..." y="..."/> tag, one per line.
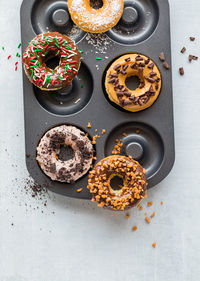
<point x="181" y="71"/>
<point x="183" y="50"/>
<point x="192" y="38"/>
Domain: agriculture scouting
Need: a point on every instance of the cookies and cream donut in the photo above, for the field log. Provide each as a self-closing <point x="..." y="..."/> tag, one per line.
<point x="48" y="154"/>
<point x="92" y="20"/>
<point x="133" y="65"/>
<point x="44" y="47"/>
<point x="134" y="187"/>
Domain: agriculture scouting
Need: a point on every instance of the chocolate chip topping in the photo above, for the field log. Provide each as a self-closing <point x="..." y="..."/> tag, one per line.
<point x="139" y="58"/>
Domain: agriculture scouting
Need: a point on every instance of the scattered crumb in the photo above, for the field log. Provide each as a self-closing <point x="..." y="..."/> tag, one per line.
<point x="96" y="130"/>
<point x="154" y="244"/>
<point x="89" y="125"/>
<point x="147" y="219"/>
<point x="145" y="213"/>
<point x="127" y="216"/>
<point x="94" y="139"/>
<point x="125" y="134"/>
<point x="103" y="131"/>
<point x="137" y="131"/>
<point x="152" y="215"/>
<point x="161" y="203"/>
<point x="79" y="190"/>
<point x="140" y="207"/>
<point x="150" y="203"/>
<point x="134" y="228"/>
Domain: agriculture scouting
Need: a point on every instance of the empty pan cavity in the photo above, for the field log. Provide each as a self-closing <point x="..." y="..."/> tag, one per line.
<point x="138" y="22"/>
<point x="53" y="15"/>
<point x="140" y="141"/>
<point x="71" y="99"/>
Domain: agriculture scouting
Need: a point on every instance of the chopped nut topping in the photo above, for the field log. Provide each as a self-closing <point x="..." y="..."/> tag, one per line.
<point x="134" y="228"/>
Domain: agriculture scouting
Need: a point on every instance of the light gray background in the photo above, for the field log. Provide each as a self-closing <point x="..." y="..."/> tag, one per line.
<point x="79" y="241"/>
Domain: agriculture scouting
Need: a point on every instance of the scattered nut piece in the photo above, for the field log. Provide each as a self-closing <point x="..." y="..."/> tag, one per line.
<point x="79" y="190"/>
<point x="147" y="219"/>
<point x="134" y="228"/>
<point x="89" y="125"/>
<point x="150" y="203"/>
<point x="103" y="131"/>
<point x="154" y="244"/>
<point x="152" y="215"/>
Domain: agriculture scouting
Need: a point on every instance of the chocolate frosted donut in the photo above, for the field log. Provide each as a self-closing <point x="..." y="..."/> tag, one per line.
<point x="49" y="148"/>
<point x="44" y="47"/>
<point x="134" y="183"/>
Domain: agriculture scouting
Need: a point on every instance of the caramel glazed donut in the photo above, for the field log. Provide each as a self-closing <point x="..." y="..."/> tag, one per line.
<point x="92" y="20"/>
<point x="49" y="148"/>
<point x="133" y="65"/>
<point x="134" y="187"/>
<point x="44" y="47"/>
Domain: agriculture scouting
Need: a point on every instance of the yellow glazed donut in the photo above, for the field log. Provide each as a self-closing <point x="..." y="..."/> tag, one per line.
<point x="134" y="187"/>
<point x="95" y="21"/>
<point x="133" y="65"/>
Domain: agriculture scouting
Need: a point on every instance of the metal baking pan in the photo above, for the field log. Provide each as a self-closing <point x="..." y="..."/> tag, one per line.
<point x="149" y="134"/>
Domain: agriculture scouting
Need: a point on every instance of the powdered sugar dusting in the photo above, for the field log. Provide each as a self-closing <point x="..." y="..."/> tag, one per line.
<point x="104" y="17"/>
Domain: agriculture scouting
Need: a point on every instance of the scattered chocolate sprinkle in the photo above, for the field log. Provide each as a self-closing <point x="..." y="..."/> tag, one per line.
<point x="166" y="65"/>
<point x="128" y="59"/>
<point x="152" y="74"/>
<point x="191" y="57"/>
<point x="162" y="56"/>
<point x="147" y="61"/>
<point x="183" y="50"/>
<point x="149" y="79"/>
<point x="181" y="71"/>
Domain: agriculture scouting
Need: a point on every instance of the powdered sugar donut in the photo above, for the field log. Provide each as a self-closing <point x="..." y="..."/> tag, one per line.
<point x="96" y="21"/>
<point x="49" y="148"/>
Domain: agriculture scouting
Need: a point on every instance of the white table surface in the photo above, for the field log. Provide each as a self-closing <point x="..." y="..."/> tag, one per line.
<point x="81" y="242"/>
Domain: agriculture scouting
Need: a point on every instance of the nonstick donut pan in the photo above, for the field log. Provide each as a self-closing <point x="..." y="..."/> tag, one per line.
<point x="149" y="134"/>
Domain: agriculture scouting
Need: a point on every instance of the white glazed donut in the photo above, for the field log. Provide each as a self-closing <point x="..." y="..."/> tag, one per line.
<point x="96" y="21"/>
<point x="49" y="149"/>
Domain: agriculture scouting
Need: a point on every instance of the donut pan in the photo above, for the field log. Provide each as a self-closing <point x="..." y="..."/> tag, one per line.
<point x="149" y="134"/>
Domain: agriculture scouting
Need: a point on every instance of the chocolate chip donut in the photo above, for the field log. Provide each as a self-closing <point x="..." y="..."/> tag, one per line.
<point x="133" y="65"/>
<point x="49" y="148"/>
<point x="134" y="187"/>
<point x="95" y="20"/>
<point x="44" y="47"/>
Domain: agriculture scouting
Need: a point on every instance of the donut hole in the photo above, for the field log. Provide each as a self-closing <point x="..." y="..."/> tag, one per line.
<point x="132" y="82"/>
<point x="52" y="62"/>
<point x="116" y="183"/>
<point x="66" y="153"/>
<point x="96" y="4"/>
